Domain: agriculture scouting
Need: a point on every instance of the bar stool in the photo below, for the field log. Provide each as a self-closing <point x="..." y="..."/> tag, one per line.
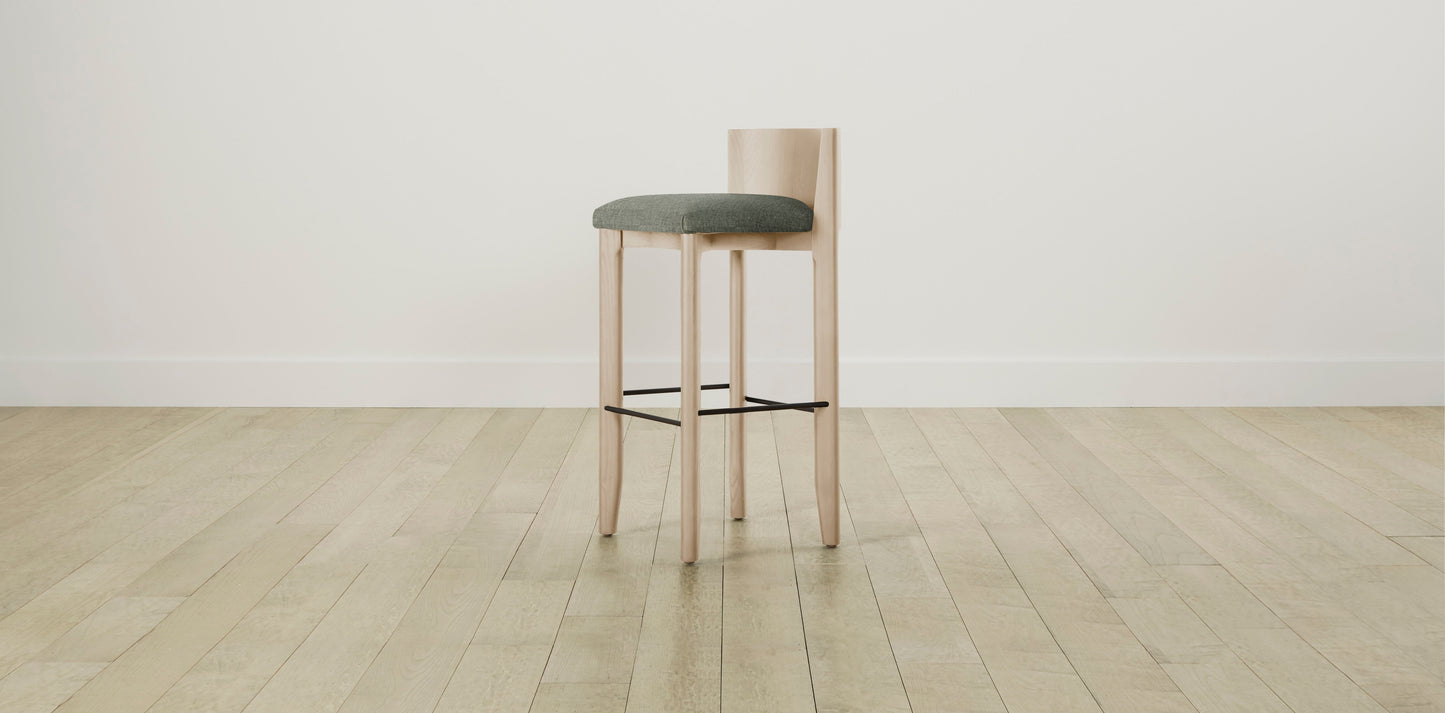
<point x="782" y="195"/>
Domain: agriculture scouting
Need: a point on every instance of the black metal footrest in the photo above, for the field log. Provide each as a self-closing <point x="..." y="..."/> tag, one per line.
<point x="640" y="414"/>
<point x="801" y="407"/>
<point x="672" y="389"/>
<point x="770" y="406"/>
<point x="763" y="404"/>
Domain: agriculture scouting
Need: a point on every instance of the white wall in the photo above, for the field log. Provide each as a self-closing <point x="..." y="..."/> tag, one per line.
<point x="1043" y="202"/>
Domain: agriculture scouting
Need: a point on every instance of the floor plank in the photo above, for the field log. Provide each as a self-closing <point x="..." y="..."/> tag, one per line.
<point x="323" y="670"/>
<point x="264" y="448"/>
<point x="614" y="572"/>
<point x="1199" y="559"/>
<point x="1271" y="576"/>
<point x="1399" y="488"/>
<point x="40" y="686"/>
<point x="850" y="658"/>
<point x="1349" y="496"/>
<point x="1020" y="654"/>
<point x="678" y="663"/>
<point x="62" y="442"/>
<point x="1419" y="446"/>
<point x="412" y="669"/>
<point x="1422" y="473"/>
<point x="97" y="506"/>
<point x="1429" y="549"/>
<point x="1109" y="658"/>
<point x="142" y="674"/>
<point x="1295" y="671"/>
<point x="764" y="649"/>
<point x="106" y="454"/>
<point x="505" y="659"/>
<point x="1146" y="530"/>
<point x="1316" y="589"/>
<point x="22" y="421"/>
<point x="1291" y="499"/>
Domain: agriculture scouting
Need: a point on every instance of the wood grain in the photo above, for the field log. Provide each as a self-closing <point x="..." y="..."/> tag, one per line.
<point x="988" y="560"/>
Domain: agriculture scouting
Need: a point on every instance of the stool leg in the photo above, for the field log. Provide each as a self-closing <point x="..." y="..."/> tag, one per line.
<point x="609" y="457"/>
<point x="825" y="386"/>
<point x="737" y="486"/>
<point x="691" y="397"/>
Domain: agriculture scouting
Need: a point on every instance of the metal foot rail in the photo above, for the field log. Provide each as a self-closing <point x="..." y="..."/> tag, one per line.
<point x="640" y="414"/>
<point x="672" y="390"/>
<point x="774" y="406"/>
<point x="764" y="405"/>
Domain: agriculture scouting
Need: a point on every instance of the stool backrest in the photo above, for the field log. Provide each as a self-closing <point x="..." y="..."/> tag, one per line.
<point x="798" y="163"/>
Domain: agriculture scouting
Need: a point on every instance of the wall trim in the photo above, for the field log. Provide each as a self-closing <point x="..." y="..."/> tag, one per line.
<point x="67" y="382"/>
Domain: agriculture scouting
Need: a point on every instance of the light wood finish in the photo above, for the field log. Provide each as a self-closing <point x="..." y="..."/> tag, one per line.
<point x="614" y="572"/>
<point x="40" y="686"/>
<point x="571" y="697"/>
<point x="678" y="667"/>
<point x="504" y="662"/>
<point x="1411" y="491"/>
<point x="593" y="649"/>
<point x="1426" y="474"/>
<point x="802" y="164"/>
<point x="990" y="560"/>
<point x="1408" y="441"/>
<point x="708" y="242"/>
<point x="1429" y="549"/>
<point x="53" y="450"/>
<point x="112" y="629"/>
<point x="798" y="163"/>
<point x="1346" y="494"/>
<point x="737" y="380"/>
<point x="146" y="670"/>
<point x="36" y="619"/>
<point x="609" y="486"/>
<point x="765" y="653"/>
<point x="664" y="241"/>
<point x="825" y="383"/>
<point x="65" y="472"/>
<point x="689" y="433"/>
<point x="413" y="667"/>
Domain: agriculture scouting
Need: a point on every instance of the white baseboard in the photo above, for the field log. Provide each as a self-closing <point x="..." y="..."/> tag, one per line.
<point x="864" y="383"/>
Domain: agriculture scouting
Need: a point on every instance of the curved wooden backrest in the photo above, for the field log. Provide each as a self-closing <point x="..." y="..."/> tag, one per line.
<point x="798" y="163"/>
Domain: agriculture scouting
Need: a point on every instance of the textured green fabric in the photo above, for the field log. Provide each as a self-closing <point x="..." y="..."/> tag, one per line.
<point x="706" y="213"/>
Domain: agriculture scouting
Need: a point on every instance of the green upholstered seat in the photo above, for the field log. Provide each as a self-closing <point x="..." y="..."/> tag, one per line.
<point x="706" y="213"/>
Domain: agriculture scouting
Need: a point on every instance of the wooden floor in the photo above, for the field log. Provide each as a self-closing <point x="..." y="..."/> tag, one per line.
<point x="316" y="560"/>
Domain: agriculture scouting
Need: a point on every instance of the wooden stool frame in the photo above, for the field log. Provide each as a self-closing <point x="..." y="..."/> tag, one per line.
<point x="798" y="163"/>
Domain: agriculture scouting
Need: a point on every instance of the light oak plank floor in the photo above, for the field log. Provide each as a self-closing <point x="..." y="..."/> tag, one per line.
<point x="1008" y="560"/>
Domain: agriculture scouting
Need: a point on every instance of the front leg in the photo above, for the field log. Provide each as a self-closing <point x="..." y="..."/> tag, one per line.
<point x="609" y="457"/>
<point x="737" y="390"/>
<point x="691" y="397"/>
<point x="825" y="386"/>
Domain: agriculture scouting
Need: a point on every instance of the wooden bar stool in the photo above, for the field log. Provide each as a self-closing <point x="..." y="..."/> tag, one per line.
<point x="782" y="195"/>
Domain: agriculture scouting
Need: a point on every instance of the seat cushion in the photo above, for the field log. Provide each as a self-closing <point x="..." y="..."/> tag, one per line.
<point x="706" y="213"/>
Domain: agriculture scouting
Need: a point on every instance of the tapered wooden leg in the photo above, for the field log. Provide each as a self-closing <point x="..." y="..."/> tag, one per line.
<point x="737" y="484"/>
<point x="691" y="397"/>
<point x="825" y="386"/>
<point x="609" y="457"/>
